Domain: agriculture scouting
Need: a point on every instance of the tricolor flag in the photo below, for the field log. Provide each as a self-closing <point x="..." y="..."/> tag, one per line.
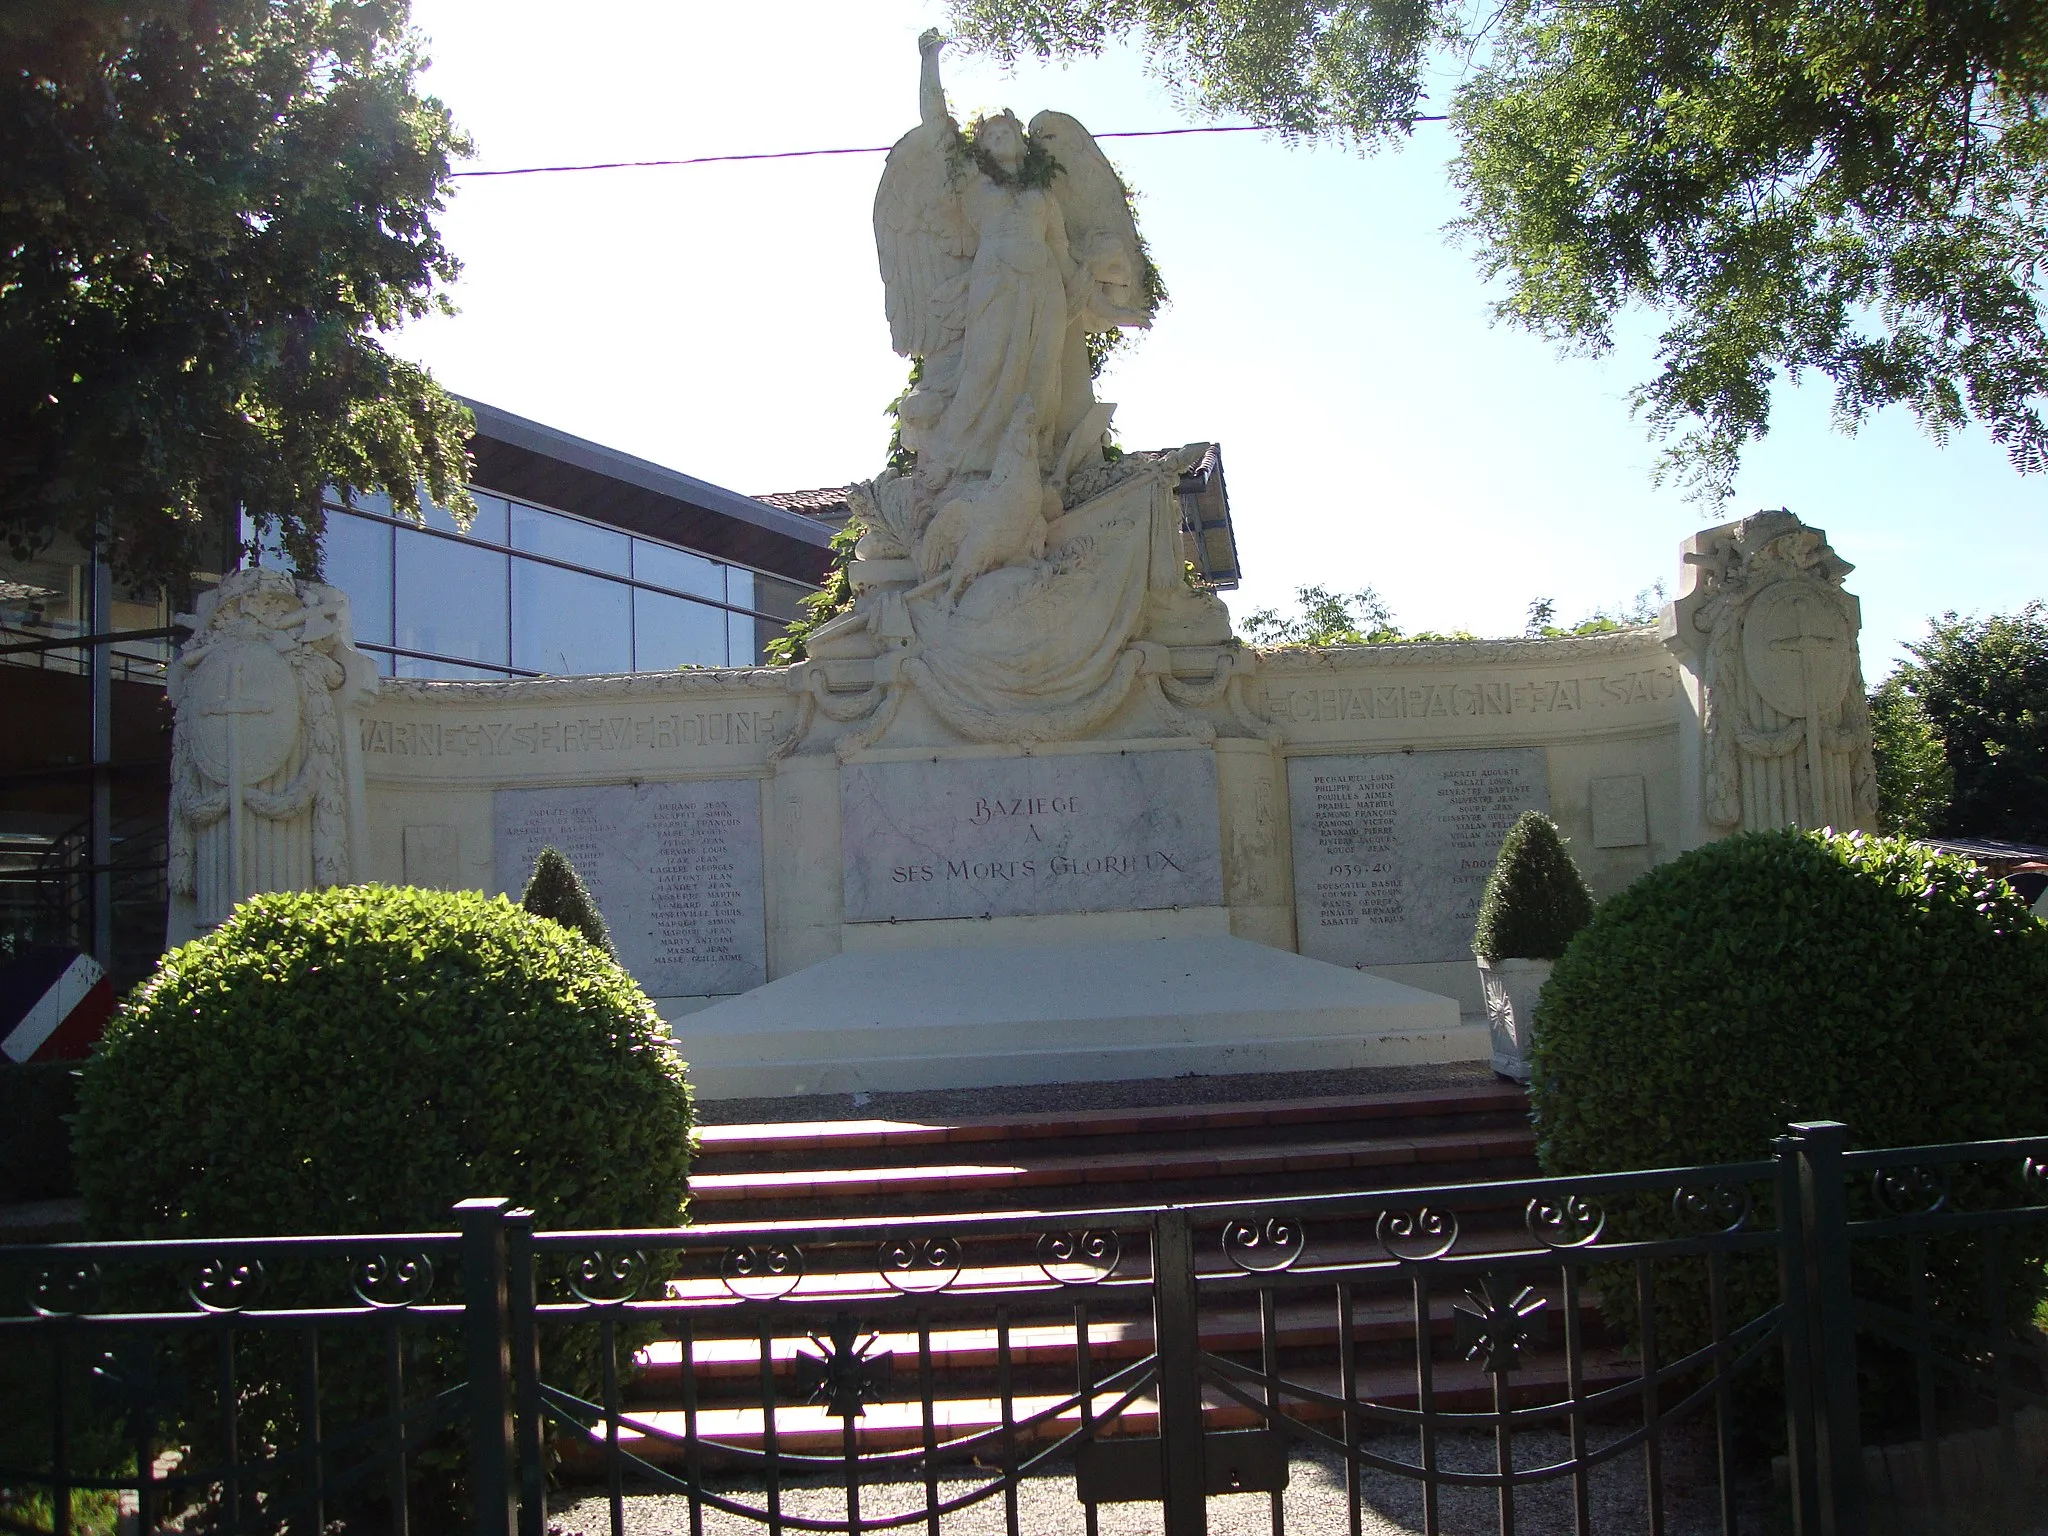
<point x="54" y="1003"/>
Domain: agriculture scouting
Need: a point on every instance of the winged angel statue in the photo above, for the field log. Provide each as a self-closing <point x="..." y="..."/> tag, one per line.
<point x="1009" y="572"/>
<point x="999" y="259"/>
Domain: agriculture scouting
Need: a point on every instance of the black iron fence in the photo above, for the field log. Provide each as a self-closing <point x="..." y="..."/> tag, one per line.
<point x="1511" y="1342"/>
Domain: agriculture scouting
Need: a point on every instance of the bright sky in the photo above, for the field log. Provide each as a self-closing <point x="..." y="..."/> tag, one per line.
<point x="1377" y="428"/>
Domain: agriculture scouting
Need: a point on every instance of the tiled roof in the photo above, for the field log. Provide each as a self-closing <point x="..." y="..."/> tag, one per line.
<point x="828" y="503"/>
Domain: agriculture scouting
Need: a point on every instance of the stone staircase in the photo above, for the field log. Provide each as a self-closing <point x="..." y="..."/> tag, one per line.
<point x="875" y="1170"/>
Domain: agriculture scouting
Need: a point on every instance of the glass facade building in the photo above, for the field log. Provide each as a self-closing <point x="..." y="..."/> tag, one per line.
<point x="581" y="559"/>
<point x="528" y="591"/>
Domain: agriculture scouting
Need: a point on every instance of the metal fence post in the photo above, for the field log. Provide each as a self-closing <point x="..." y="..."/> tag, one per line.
<point x="530" y="1437"/>
<point x="1796" y="1332"/>
<point x="1176" y="1333"/>
<point x="486" y="1327"/>
<point x="1824" y="1234"/>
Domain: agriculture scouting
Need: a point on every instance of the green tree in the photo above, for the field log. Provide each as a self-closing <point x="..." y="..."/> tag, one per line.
<point x="1325" y="618"/>
<point x="1982" y="687"/>
<point x="210" y="212"/>
<point x="1854" y="191"/>
<point x="1914" y="784"/>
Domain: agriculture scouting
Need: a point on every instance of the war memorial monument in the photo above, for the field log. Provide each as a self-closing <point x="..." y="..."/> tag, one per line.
<point x="1029" y="812"/>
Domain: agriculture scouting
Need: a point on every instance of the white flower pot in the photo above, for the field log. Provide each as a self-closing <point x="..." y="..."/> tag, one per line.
<point x="1511" y="988"/>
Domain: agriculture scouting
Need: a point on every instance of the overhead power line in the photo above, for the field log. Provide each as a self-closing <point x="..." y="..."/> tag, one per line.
<point x="875" y="149"/>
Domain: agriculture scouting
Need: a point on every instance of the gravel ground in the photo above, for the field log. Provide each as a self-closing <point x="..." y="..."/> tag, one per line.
<point x="944" y="1103"/>
<point x="1314" y="1501"/>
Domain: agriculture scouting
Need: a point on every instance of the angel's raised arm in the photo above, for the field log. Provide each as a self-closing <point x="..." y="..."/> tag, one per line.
<point x="931" y="96"/>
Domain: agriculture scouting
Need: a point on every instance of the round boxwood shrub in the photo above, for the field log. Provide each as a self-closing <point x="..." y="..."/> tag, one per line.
<point x="1780" y="976"/>
<point x="360" y="1058"/>
<point x="357" y="1060"/>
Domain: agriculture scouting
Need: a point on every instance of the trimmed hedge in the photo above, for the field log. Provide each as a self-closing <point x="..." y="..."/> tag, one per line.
<point x="555" y="890"/>
<point x="358" y="1059"/>
<point x="1535" y="900"/>
<point x="1779" y="976"/>
<point x="1783" y="976"/>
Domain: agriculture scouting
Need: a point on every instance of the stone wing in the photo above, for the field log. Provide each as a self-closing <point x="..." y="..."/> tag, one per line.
<point x="1101" y="231"/>
<point x="924" y="242"/>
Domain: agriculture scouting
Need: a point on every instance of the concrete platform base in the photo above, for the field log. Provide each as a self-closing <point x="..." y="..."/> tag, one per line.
<point x="888" y="1021"/>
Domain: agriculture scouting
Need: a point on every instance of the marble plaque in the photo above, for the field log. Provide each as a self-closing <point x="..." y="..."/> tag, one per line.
<point x="1620" y="812"/>
<point x="1017" y="836"/>
<point x="1392" y="849"/>
<point x="675" y="869"/>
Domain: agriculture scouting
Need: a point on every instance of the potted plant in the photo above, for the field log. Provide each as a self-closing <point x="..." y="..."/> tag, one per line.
<point x="1536" y="901"/>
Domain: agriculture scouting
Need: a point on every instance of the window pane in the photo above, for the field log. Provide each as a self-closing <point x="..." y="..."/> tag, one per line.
<point x="675" y="632"/>
<point x="487" y="527"/>
<point x="679" y="570"/>
<point x="366" y="501"/>
<point x="451" y="598"/>
<point x="746" y="651"/>
<point x="739" y="587"/>
<point x="564" y="538"/>
<point x="566" y="623"/>
<point x="356" y="557"/>
<point x="420" y="666"/>
<point x="779" y="597"/>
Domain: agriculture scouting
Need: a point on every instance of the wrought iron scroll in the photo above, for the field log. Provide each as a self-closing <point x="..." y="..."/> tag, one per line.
<point x="1417" y="1236"/>
<point x="1910" y="1191"/>
<point x="1719" y="1209"/>
<point x="1263" y="1249"/>
<point x="226" y="1284"/>
<point x="388" y="1280"/>
<point x="607" y="1279"/>
<point x="1079" y="1258"/>
<point x="918" y="1265"/>
<point x="1565" y="1221"/>
<point x="64" y="1290"/>
<point x="762" y="1271"/>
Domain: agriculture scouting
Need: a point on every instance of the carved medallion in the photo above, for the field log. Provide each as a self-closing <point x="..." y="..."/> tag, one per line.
<point x="243" y="706"/>
<point x="1797" y="648"/>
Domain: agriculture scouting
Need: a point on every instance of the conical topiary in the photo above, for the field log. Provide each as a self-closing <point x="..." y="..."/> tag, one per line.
<point x="556" y="891"/>
<point x="1536" y="900"/>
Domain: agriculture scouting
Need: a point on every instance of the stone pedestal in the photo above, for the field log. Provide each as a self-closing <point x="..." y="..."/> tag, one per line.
<point x="984" y="1015"/>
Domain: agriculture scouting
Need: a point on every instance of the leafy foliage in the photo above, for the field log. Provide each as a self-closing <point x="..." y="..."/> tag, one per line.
<point x="211" y="211"/>
<point x="1778" y="976"/>
<point x="1857" y="191"/>
<point x="1639" y="610"/>
<point x="459" y="1045"/>
<point x="1037" y="169"/>
<point x="1982" y="685"/>
<point x="1310" y="67"/>
<point x="828" y="602"/>
<point x="1323" y="617"/>
<point x="1914" y="781"/>
<point x="556" y="891"/>
<point x="1536" y="901"/>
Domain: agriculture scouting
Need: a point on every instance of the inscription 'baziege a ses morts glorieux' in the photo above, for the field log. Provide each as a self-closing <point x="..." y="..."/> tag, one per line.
<point x="1020" y="836"/>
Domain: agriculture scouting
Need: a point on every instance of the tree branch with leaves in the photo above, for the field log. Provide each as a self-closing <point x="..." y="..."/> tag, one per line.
<point x="1858" y="193"/>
